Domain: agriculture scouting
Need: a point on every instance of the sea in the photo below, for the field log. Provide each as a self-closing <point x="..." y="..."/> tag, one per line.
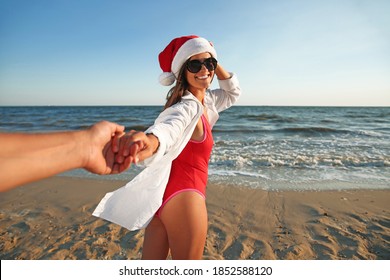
<point x="265" y="147"/>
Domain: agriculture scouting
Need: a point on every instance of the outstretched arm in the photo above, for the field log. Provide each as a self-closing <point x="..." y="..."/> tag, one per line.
<point x="29" y="157"/>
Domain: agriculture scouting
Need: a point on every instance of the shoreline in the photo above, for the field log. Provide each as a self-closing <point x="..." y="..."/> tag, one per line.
<point x="52" y="219"/>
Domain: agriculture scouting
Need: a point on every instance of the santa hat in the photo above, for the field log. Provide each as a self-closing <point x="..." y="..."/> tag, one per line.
<point x="178" y="51"/>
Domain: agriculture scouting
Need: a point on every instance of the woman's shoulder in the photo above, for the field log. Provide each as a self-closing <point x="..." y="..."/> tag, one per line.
<point x="188" y="102"/>
<point x="188" y="106"/>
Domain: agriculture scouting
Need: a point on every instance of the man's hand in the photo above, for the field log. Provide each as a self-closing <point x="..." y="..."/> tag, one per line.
<point x="100" y="150"/>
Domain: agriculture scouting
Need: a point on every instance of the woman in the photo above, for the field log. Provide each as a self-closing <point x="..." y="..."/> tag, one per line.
<point x="177" y="150"/>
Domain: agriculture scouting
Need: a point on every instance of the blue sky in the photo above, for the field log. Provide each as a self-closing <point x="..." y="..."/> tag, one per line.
<point x="96" y="52"/>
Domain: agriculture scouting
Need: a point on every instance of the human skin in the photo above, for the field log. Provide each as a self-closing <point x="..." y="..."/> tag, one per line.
<point x="27" y="157"/>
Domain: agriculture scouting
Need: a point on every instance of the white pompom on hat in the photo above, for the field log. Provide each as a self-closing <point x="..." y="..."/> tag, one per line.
<point x="178" y="51"/>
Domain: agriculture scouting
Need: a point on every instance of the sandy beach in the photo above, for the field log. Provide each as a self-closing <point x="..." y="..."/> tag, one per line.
<point x="51" y="219"/>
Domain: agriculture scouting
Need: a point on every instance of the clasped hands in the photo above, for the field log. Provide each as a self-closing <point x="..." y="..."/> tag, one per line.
<point x="114" y="150"/>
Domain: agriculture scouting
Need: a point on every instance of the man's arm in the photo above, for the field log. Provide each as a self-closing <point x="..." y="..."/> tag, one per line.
<point x="29" y="157"/>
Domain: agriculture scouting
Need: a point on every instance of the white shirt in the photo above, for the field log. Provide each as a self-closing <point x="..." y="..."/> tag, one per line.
<point x="134" y="205"/>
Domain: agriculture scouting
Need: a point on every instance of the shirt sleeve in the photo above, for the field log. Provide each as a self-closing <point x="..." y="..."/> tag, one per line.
<point x="173" y="127"/>
<point x="228" y="93"/>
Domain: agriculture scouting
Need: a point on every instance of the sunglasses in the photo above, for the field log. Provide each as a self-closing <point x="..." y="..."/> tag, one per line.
<point x="194" y="66"/>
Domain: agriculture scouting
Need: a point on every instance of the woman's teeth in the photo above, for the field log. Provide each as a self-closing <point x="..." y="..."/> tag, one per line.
<point x="203" y="77"/>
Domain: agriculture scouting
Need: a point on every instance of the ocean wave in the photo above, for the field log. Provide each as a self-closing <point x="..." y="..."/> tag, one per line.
<point x="287" y="130"/>
<point x="311" y="130"/>
<point x="269" y="117"/>
<point x="234" y="173"/>
<point x="300" y="161"/>
<point x="369" y="133"/>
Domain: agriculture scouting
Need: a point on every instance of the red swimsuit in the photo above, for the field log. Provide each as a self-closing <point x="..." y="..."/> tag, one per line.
<point x="189" y="170"/>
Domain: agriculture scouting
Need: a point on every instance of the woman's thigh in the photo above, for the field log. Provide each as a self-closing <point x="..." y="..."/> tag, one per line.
<point x="155" y="245"/>
<point x="185" y="219"/>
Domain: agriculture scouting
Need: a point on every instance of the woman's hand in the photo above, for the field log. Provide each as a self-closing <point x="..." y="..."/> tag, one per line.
<point x="133" y="147"/>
